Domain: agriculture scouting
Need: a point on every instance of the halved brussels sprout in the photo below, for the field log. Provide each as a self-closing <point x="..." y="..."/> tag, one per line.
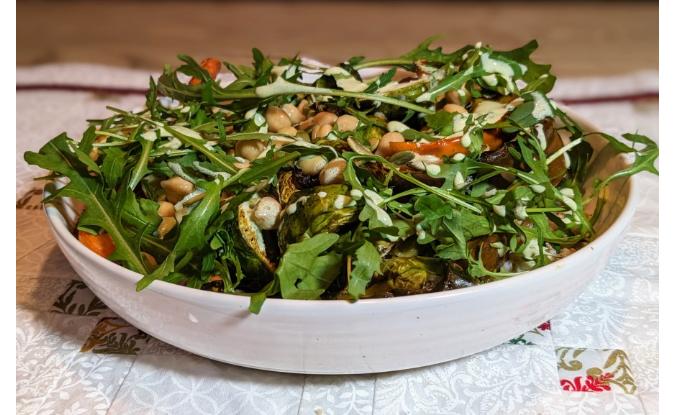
<point x="405" y="276"/>
<point x="252" y="234"/>
<point x="322" y="209"/>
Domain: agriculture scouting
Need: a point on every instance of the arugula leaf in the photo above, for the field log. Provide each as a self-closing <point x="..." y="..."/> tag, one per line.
<point x="303" y="273"/>
<point x="141" y="167"/>
<point x="192" y="231"/>
<point x="538" y="76"/>
<point x="454" y="81"/>
<point x="58" y="155"/>
<point x="441" y="122"/>
<point x="367" y="263"/>
<point x="644" y="157"/>
<point x="381" y="81"/>
<point x="434" y="56"/>
<point x="113" y="166"/>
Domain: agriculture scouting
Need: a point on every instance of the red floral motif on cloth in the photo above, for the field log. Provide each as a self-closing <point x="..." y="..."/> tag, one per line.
<point x="588" y="383"/>
<point x="545" y="326"/>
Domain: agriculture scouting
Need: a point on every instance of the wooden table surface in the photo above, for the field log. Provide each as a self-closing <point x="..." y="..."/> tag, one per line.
<point x="578" y="38"/>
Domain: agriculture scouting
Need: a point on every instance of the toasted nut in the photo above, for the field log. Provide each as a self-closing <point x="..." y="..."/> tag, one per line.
<point x="325" y="118"/>
<point x="94" y="153"/>
<point x="303" y="136"/>
<point x="277" y="119"/>
<point x="347" y="122"/>
<point x="380" y="115"/>
<point x="293" y="113"/>
<point x="242" y="164"/>
<point x="303" y="106"/>
<point x="333" y="171"/>
<point x="453" y="97"/>
<point x="266" y="213"/>
<point x="166" y="226"/>
<point x="166" y="209"/>
<point x="383" y="149"/>
<point x="150" y="260"/>
<point x="288" y="131"/>
<point x="320" y="131"/>
<point x="455" y="108"/>
<point x="312" y="165"/>
<point x="249" y="149"/>
<point x="176" y="188"/>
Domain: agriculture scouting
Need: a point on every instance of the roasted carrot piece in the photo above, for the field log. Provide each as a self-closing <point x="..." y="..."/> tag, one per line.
<point x="444" y="146"/>
<point x="211" y="65"/>
<point x="101" y="244"/>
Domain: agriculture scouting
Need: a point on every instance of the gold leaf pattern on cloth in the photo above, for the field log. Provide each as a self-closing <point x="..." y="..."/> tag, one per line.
<point x="112" y="335"/>
<point x="591" y="370"/>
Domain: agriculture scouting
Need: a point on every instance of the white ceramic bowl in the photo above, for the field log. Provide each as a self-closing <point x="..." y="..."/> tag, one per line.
<point x="339" y="337"/>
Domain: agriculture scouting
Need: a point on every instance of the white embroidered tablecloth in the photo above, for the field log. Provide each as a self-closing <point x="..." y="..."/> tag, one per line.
<point x="74" y="356"/>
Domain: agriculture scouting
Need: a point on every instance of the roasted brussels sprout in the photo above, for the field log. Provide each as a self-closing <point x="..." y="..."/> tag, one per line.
<point x="322" y="209"/>
<point x="405" y="276"/>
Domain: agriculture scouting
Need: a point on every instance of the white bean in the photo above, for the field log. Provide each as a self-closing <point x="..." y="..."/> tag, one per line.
<point x="312" y="165"/>
<point x="266" y="213"/>
<point x="333" y="172"/>
<point x="176" y="188"/>
<point x="277" y="119"/>
<point x="347" y="122"/>
<point x="249" y="149"/>
<point x="384" y="148"/>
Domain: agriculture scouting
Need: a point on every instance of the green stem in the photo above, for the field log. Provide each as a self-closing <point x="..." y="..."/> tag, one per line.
<point x="383" y="62"/>
<point x="544" y="210"/>
<point x="199" y="146"/>
<point x="403" y="194"/>
<point x="445" y="194"/>
<point x="139" y="169"/>
<point x="563" y="150"/>
<point x="282" y="87"/>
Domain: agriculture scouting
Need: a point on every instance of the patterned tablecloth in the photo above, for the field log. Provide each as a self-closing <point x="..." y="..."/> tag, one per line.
<point x="75" y="356"/>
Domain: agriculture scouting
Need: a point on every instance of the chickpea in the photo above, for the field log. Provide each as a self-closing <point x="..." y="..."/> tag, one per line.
<point x="176" y="188"/>
<point x="293" y="113"/>
<point x="383" y="149"/>
<point x="166" y="209"/>
<point x="288" y="131"/>
<point x="325" y="118"/>
<point x="249" y="149"/>
<point x="307" y="124"/>
<point x="166" y="226"/>
<point x="277" y="119"/>
<point x="455" y="108"/>
<point x="312" y="165"/>
<point x="266" y="213"/>
<point x="320" y="131"/>
<point x="347" y="122"/>
<point x="333" y="172"/>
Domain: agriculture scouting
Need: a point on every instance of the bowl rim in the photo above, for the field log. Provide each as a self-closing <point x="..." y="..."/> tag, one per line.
<point x="206" y="298"/>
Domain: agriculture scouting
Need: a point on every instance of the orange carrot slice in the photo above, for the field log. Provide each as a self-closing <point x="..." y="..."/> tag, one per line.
<point x="101" y="244"/>
<point x="211" y="65"/>
<point x="445" y="146"/>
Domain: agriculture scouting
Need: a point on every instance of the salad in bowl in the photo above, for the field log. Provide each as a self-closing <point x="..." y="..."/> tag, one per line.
<point x="426" y="172"/>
